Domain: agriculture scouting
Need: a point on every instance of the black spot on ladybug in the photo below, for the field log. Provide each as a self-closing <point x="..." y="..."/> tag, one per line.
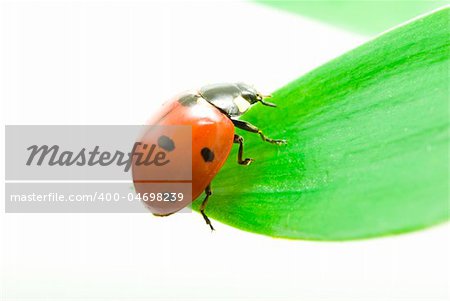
<point x="188" y="100"/>
<point x="166" y="143"/>
<point x="207" y="154"/>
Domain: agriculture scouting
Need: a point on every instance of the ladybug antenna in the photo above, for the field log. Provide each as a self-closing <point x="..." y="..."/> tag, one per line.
<point x="266" y="103"/>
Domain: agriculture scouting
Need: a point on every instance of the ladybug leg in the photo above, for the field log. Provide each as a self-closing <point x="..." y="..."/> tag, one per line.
<point x="208" y="192"/>
<point x="240" y="140"/>
<point x="246" y="126"/>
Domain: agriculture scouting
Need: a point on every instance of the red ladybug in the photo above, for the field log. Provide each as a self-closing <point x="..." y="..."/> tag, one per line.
<point x="213" y="113"/>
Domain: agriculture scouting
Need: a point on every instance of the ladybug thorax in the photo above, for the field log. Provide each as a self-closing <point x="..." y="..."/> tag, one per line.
<point x="231" y="99"/>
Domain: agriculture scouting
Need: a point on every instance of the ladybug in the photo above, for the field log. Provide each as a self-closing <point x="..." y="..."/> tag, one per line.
<point x="212" y="112"/>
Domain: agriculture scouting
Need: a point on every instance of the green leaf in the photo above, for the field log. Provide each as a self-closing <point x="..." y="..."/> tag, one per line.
<point x="363" y="16"/>
<point x="368" y="145"/>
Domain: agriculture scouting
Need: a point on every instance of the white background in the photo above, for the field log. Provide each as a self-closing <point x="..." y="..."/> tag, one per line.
<point x="113" y="63"/>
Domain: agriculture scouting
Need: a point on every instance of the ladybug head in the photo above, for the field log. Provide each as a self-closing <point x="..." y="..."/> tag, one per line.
<point x="232" y="99"/>
<point x="252" y="96"/>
